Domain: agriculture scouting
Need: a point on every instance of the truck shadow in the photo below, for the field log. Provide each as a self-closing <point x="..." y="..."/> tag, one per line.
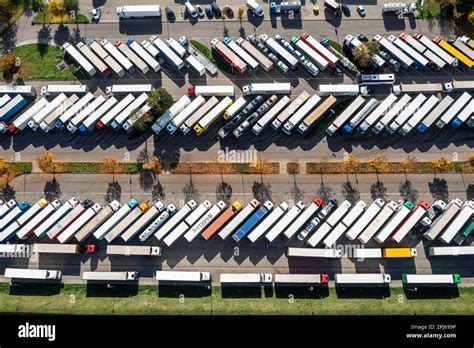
<point x="178" y="291"/>
<point x="301" y="292"/>
<point x="427" y="293"/>
<point x="35" y="289"/>
<point x="239" y="291"/>
<point x="363" y="292"/>
<point x="111" y="290"/>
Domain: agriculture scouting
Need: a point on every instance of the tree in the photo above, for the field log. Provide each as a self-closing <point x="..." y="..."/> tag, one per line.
<point x="240" y="14"/>
<point x="4" y="167"/>
<point x="160" y="100"/>
<point x="46" y="162"/>
<point x="362" y="55"/>
<point x="408" y="164"/>
<point x="71" y="5"/>
<point x="109" y="165"/>
<point x="154" y="165"/>
<point x="8" y="62"/>
<point x="144" y="122"/>
<point x="441" y="164"/>
<point x="351" y="164"/>
<point x="373" y="47"/>
<point x="379" y="164"/>
<point x="471" y="159"/>
<point x="56" y="7"/>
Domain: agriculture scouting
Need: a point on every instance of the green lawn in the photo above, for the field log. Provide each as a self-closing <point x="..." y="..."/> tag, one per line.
<point x="153" y="300"/>
<point x="45" y="18"/>
<point x="216" y="60"/>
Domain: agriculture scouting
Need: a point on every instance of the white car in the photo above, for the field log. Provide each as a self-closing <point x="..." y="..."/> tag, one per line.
<point x="95" y="14"/>
<point x="282" y="67"/>
<point x="311" y="68"/>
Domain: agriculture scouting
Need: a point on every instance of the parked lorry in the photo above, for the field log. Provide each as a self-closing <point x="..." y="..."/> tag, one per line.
<point x="38" y="274"/>
<point x="106" y="57"/>
<point x="320" y="49"/>
<point x="143" y="54"/>
<point x="31" y="213"/>
<point x="365" y="219"/>
<point x="58" y="214"/>
<point x="97" y="62"/>
<point x="49" y="121"/>
<point x="464" y="115"/>
<point x="143" y="221"/>
<point x="137" y="61"/>
<point x="21" y="121"/>
<point x="252" y="64"/>
<point x="406" y="113"/>
<point x="73" y="110"/>
<point x="123" y="276"/>
<point x="253" y="221"/>
<point x="345" y="223"/>
<point x="176" y="219"/>
<point x="76" y="121"/>
<point x="138" y="11"/>
<point x="385" y="214"/>
<point x="267" y="88"/>
<point x="54" y="90"/>
<point x="255" y="7"/>
<point x="124" y="115"/>
<point x="28" y="228"/>
<point x="266" y="224"/>
<point x="246" y="278"/>
<point x="430" y="279"/>
<point x="5" y="206"/>
<point x="180" y="118"/>
<point x="362" y="278"/>
<point x="69" y="219"/>
<point x="313" y="118"/>
<point x="228" y="56"/>
<point x="54" y="105"/>
<point x="222" y="220"/>
<point x="415" y="216"/>
<point x="118" y="216"/>
<point x="435" y="114"/>
<point x="464" y="216"/>
<point x="157" y="223"/>
<point x="314" y="252"/>
<point x="73" y="228"/>
<point x="107" y="117"/>
<point x="296" y="118"/>
<point x="380" y="110"/>
<point x="285" y="7"/>
<point x="168" y="54"/>
<point x="183" y="276"/>
<point x="279" y="51"/>
<point x="360" y="115"/>
<point x="419" y="115"/>
<point x="14" y="89"/>
<point x="303" y="217"/>
<point x="290" y="110"/>
<point x="13" y="214"/>
<point x="301" y="278"/>
<point x="96" y="221"/>
<point x="345" y="115"/>
<point x="204" y="123"/>
<point x="454" y="110"/>
<point x="342" y="90"/>
<point x="79" y="59"/>
<point x="265" y="63"/>
<point x="429" y="88"/>
<point x="49" y="248"/>
<point x="210" y="91"/>
<point x="269" y="116"/>
<point x="451" y="251"/>
<point x="118" y="56"/>
<point x="133" y="250"/>
<point x="90" y="122"/>
<point x="195" y="65"/>
<point x="394" y="222"/>
<point x="391" y="114"/>
<point x="168" y="115"/>
<point x="204" y="221"/>
<point x="450" y="211"/>
<point x="285" y="221"/>
<point x="127" y="221"/>
<point x="394" y="51"/>
<point x="239" y="219"/>
<point x="419" y="61"/>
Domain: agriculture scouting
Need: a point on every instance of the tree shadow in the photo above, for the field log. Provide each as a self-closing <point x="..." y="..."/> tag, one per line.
<point x="439" y="189"/>
<point x="147" y="178"/>
<point x="408" y="192"/>
<point x="262" y="192"/>
<point x="350" y="192"/>
<point x="76" y="36"/>
<point x="158" y="191"/>
<point x="114" y="192"/>
<point x="62" y="35"/>
<point x="44" y="39"/>
<point x="325" y="192"/>
<point x="8" y="192"/>
<point x="52" y="190"/>
<point x="190" y="191"/>
<point x="470" y="191"/>
<point x="9" y="38"/>
<point x="378" y="190"/>
<point x="224" y="192"/>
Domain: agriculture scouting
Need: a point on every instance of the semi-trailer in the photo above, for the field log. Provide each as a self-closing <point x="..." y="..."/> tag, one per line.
<point x="61" y="225"/>
<point x="235" y="108"/>
<point x="179" y="119"/>
<point x="419" y="115"/>
<point x="314" y="252"/>
<point x="115" y="219"/>
<point x="385" y="214"/>
<point x="89" y="123"/>
<point x="464" y="115"/>
<point x="176" y="47"/>
<point x="360" y="115"/>
<point x="265" y="63"/>
<point x="6" y="206"/>
<point x="12" y="107"/>
<point x="345" y="115"/>
<point x="118" y="56"/>
<point x="329" y="224"/>
<point x="31" y="213"/>
<point x="415" y="216"/>
<point x="430" y="279"/>
<point x="467" y="41"/>
<point x="454" y="110"/>
<point x="54" y="90"/>
<point x="50" y="248"/>
<point x="169" y="114"/>
<point x="9" y="231"/>
<point x="204" y="123"/>
<point x="436" y="62"/>
<point x="362" y="278"/>
<point x="451" y="60"/>
<point x="303" y="217"/>
<point x="391" y="114"/>
<point x="263" y="121"/>
<point x="138" y="11"/>
<point x="239" y="219"/>
<point x="451" y="251"/>
<point x="21" y="121"/>
<point x="143" y="221"/>
<point x="195" y="65"/>
<point x="74" y="227"/>
<point x="210" y="91"/>
<point x="464" y="62"/>
<point x="246" y="278"/>
<point x="434" y="115"/>
<point x="464" y="215"/>
<point x="79" y="59"/>
<point x="188" y="223"/>
<point x="394" y="222"/>
<point x="267" y="88"/>
<point x="394" y="51"/>
<point x="406" y="113"/>
<point x="28" y="91"/>
<point x="281" y="53"/>
<point x="167" y="53"/>
<point x="13" y="214"/>
<point x="252" y="64"/>
<point x="92" y="57"/>
<point x="73" y="110"/>
<point x="106" y="57"/>
<point x="266" y="224"/>
<point x="41" y="230"/>
<point x="151" y="49"/>
<point x="182" y="277"/>
<point x="111" y="114"/>
<point x="55" y="104"/>
<point x="176" y="219"/>
<point x="48" y="122"/>
<point x="284" y="222"/>
<point x="298" y="279"/>
<point x="129" y="88"/>
<point x="419" y="61"/>
<point x="38" y="274"/>
<point x="110" y="276"/>
<point x="345" y="223"/>
<point x="314" y="116"/>
<point x="200" y="113"/>
<point x="137" y="61"/>
<point x="122" y="117"/>
<point x="127" y="221"/>
<point x="75" y="122"/>
<point x="28" y="228"/>
<point x="143" y="54"/>
<point x="320" y="49"/>
<point x="375" y="115"/>
<point x="204" y="221"/>
<point x="97" y="220"/>
<point x="133" y="250"/>
<point x="320" y="62"/>
<point x="221" y="220"/>
<point x="451" y="209"/>
<point x="290" y="110"/>
<point x="157" y="223"/>
<point x="296" y="118"/>
<point x="135" y="116"/>
<point x="253" y="221"/>
<point x="341" y="90"/>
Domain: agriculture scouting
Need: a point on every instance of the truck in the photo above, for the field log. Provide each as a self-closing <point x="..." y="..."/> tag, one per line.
<point x="450" y="210"/>
<point x="187" y="224"/>
<point x="464" y="63"/>
<point x="5" y="206"/>
<point x="362" y="278"/>
<point x="210" y="91"/>
<point x="49" y="248"/>
<point x="73" y="110"/>
<point x="394" y="51"/>
<point x="106" y="57"/>
<point x="58" y="214"/>
<point x="266" y="224"/>
<point x="252" y="64"/>
<point x="177" y="121"/>
<point x="167" y="53"/>
<point x="434" y="61"/>
<point x="195" y="65"/>
<point x="133" y="250"/>
<point x="13" y="214"/>
<point x="204" y="123"/>
<point x="419" y="61"/>
<point x="419" y="115"/>
<point x="398" y="8"/>
<point x="14" y="89"/>
<point x="413" y="218"/>
<point x="61" y="225"/>
<point x="436" y="49"/>
<point x="150" y="48"/>
<point x="296" y="118"/>
<point x="239" y="219"/>
<point x="143" y="54"/>
<point x="123" y="276"/>
<point x="75" y="122"/>
<point x="135" y="116"/>
<point x="50" y="109"/>
<point x="137" y="61"/>
<point x="290" y="110"/>
<point x="138" y="11"/>
<point x="28" y="228"/>
<point x="285" y="7"/>
<point x="342" y="90"/>
<point x="385" y="214"/>
<point x="122" y="117"/>
<point x="391" y="253"/>
<point x="435" y="114"/>
<point x="314" y="252"/>
<point x="127" y="221"/>
<point x="454" y="110"/>
<point x="107" y="117"/>
<point x="375" y="115"/>
<point x="246" y="278"/>
<point x="97" y="62"/>
<point x="21" y="121"/>
<point x="265" y="63"/>
<point x="74" y="227"/>
<point x="179" y="277"/>
<point x="176" y="219"/>
<point x="394" y="222"/>
<point x="255" y="7"/>
<point x="345" y="115"/>
<point x="464" y="115"/>
<point x="89" y="123"/>
<point x="31" y="213"/>
<point x="406" y="113"/>
<point x="118" y="216"/>
<point x="39" y="274"/>
<point x="9" y="231"/>
<point x="200" y="113"/>
<point x="253" y="221"/>
<point x="143" y="221"/>
<point x="48" y="122"/>
<point x="284" y="222"/>
<point x="176" y="47"/>
<point x="279" y="51"/>
<point x="97" y="220"/>
<point x="451" y="251"/>
<point x="346" y="223"/>
<point x="263" y="121"/>
<point x="467" y="41"/>
<point x="360" y="115"/>
<point x="365" y="219"/>
<point x="54" y="90"/>
<point x="235" y="108"/>
<point x="303" y="217"/>
<point x="223" y="218"/>
<point x="157" y="223"/>
<point x="169" y="114"/>
<point x="334" y="7"/>
<point x="12" y="107"/>
<point x="391" y="114"/>
<point x="118" y="56"/>
<point x="267" y="88"/>
<point x="301" y="278"/>
<point x="458" y="222"/>
<point x="200" y="225"/>
<point x="79" y="59"/>
<point x="320" y="49"/>
<point x="129" y="88"/>
<point x="430" y="279"/>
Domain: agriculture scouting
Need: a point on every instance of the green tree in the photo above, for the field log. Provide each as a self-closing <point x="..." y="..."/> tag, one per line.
<point x="160" y="100"/>
<point x="362" y="55"/>
<point x="373" y="47"/>
<point x="71" y="5"/>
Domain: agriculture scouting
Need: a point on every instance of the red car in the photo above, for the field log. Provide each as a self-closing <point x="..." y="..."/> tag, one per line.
<point x="228" y="12"/>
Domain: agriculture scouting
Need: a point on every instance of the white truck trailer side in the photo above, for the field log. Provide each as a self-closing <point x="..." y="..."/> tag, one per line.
<point x="143" y="221"/>
<point x="290" y="110"/>
<point x="73" y="110"/>
<point x="451" y="251"/>
<point x="285" y="221"/>
<point x="298" y="116"/>
<point x="55" y="104"/>
<point x="384" y="215"/>
<point x="110" y="115"/>
<point x="137" y="61"/>
<point x="204" y="221"/>
<point x="314" y="252"/>
<point x="39" y="274"/>
<point x="169" y="55"/>
<point x="49" y="122"/>
<point x="142" y="53"/>
<point x="67" y="89"/>
<point x="459" y="221"/>
<point x="267" y="88"/>
<point x="97" y="220"/>
<point x="133" y="250"/>
<point x="269" y="116"/>
<point x="377" y="113"/>
<point x="451" y="209"/>
<point x="118" y="56"/>
<point x="69" y="232"/>
<point x="110" y="276"/>
<point x="365" y="219"/>
<point x="79" y="59"/>
<point x="419" y="115"/>
<point x="406" y="113"/>
<point x="415" y="216"/>
<point x="21" y="121"/>
<point x="391" y="114"/>
<point x="106" y="57"/>
<point x="393" y="223"/>
<point x="157" y="223"/>
<point x="75" y="122"/>
<point x="27" y="230"/>
<point x="263" y="227"/>
<point x="127" y="221"/>
<point x="177" y="121"/>
<point x="239" y="219"/>
<point x="182" y="276"/>
<point x="41" y="230"/>
<point x="67" y="220"/>
<point x="361" y="278"/>
<point x="454" y="110"/>
<point x="177" y="218"/>
<point x="115" y="219"/>
<point x="345" y="115"/>
<point x="434" y="115"/>
<point x="246" y="278"/>
<point x="169" y="114"/>
<point x="90" y="122"/>
<point x="303" y="217"/>
<point x="347" y="222"/>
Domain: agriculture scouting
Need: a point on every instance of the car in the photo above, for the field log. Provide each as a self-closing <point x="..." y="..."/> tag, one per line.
<point x="200" y="11"/>
<point x="361" y="11"/>
<point x="183" y="41"/>
<point x="95" y="14"/>
<point x="252" y="105"/>
<point x="228" y="12"/>
<point x="316" y="10"/>
<point x="384" y="55"/>
<point x="216" y="10"/>
<point x="311" y="68"/>
<point x="282" y="67"/>
<point x="395" y="65"/>
<point x="308" y="229"/>
<point x="288" y="47"/>
<point x="273" y="58"/>
<point x="270" y="101"/>
<point x="298" y="55"/>
<point x="209" y="12"/>
<point x="363" y="38"/>
<point x="170" y="14"/>
<point x="327" y="209"/>
<point x="246" y="124"/>
<point x="190" y="10"/>
<point x="225" y="131"/>
<point x="346" y="10"/>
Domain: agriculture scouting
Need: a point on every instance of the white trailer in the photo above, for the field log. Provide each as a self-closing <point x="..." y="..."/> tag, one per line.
<point x="41" y="230"/>
<point x="129" y="88"/>
<point x="440" y="64"/>
<point x="246" y="278"/>
<point x="252" y="64"/>
<point x="421" y="279"/>
<point x="67" y="89"/>
<point x="306" y="279"/>
<point x="108" y="59"/>
<point x="143" y="221"/>
<point x="313" y="252"/>
<point x="157" y="223"/>
<point x="418" y="88"/>
<point x="110" y="276"/>
<point x="393" y="223"/>
<point x="110" y="115"/>
<point x="174" y="276"/>
<point x="18" y="89"/>
<point x="419" y="61"/>
<point x="90" y="122"/>
<point x="188" y="222"/>
<point x="75" y="122"/>
<point x="73" y="228"/>
<point x="263" y="227"/>
<point x="180" y="118"/>
<point x="285" y="221"/>
<point x="39" y="274"/>
<point x="118" y="56"/>
<point x="6" y="206"/>
<point x="127" y="221"/>
<point x="13" y="214"/>
<point x="267" y="88"/>
<point x="133" y="250"/>
<point x="459" y="221"/>
<point x="419" y="115"/>
<point x="454" y="110"/>
<point x="464" y="115"/>
<point x="415" y="216"/>
<point x="176" y="47"/>
<point x="451" y="209"/>
<point x="54" y="105"/>
<point x="204" y="221"/>
<point x="172" y="112"/>
<point x="384" y="215"/>
<point x="436" y="49"/>
<point x="290" y="110"/>
<point x="49" y="122"/>
<point x="298" y="116"/>
<point x="347" y="222"/>
<point x="238" y="219"/>
<point x="200" y="113"/>
<point x="22" y="121"/>
<point x="265" y="63"/>
<point x="123" y="116"/>
<point x="27" y="229"/>
<point x="339" y="90"/>
<point x="138" y="11"/>
<point x="142" y="53"/>
<point x="79" y="59"/>
<point x="281" y="52"/>
<point x="381" y="109"/>
<point x="434" y="115"/>
<point x="49" y="248"/>
<point x="391" y="114"/>
<point x="361" y="278"/>
<point x="68" y="219"/>
<point x="171" y="57"/>
<point x="360" y="115"/>
<point x="406" y="113"/>
<point x="31" y="213"/>
<point x="115" y="219"/>
<point x="394" y="51"/>
<point x="96" y="221"/>
<point x="91" y="57"/>
<point x="210" y="91"/>
<point x="195" y="65"/>
<point x="311" y="54"/>
<point x="365" y="219"/>
<point x="9" y="231"/>
<point x="150" y="48"/>
<point x="303" y="217"/>
<point x="345" y="115"/>
<point x="236" y="106"/>
<point x="176" y="219"/>
<point x="451" y="251"/>
<point x="73" y="110"/>
<point x="137" y="61"/>
<point x="270" y="115"/>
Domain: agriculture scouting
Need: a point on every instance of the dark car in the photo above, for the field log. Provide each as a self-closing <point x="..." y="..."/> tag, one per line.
<point x="170" y="14"/>
<point x="228" y="12"/>
<point x="217" y="11"/>
<point x="209" y="13"/>
<point x="363" y="38"/>
<point x="345" y="10"/>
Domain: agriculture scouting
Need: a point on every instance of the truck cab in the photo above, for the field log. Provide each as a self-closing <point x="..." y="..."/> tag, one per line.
<point x="266" y="278"/>
<point x="132" y="275"/>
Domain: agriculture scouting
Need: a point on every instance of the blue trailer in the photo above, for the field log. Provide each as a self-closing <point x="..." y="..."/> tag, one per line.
<point x="252" y="221"/>
<point x="12" y="107"/>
